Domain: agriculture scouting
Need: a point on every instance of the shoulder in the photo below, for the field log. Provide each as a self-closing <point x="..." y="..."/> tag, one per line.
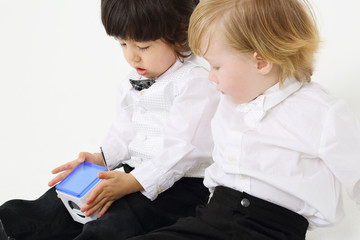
<point x="309" y="113"/>
<point x="194" y="80"/>
<point x="312" y="105"/>
<point x="314" y="96"/>
<point x="194" y="66"/>
<point x="198" y="66"/>
<point x="194" y="72"/>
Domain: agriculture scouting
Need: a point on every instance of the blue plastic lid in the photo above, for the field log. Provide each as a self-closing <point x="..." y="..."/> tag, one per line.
<point x="80" y="180"/>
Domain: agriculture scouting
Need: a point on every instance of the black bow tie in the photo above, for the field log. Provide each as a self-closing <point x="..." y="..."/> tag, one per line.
<point x="141" y="84"/>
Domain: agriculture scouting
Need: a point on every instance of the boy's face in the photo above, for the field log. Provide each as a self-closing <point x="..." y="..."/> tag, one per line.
<point x="150" y="59"/>
<point x="235" y="74"/>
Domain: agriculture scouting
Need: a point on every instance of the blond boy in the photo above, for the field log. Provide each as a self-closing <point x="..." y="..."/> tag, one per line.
<point x="283" y="145"/>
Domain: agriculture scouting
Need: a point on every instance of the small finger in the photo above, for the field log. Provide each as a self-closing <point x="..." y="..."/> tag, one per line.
<point x="93" y="209"/>
<point x="94" y="194"/>
<point x="57" y="179"/>
<point x="97" y="206"/>
<point x="70" y="165"/>
<point x="91" y="201"/>
<point x="104" y="209"/>
<point x="61" y="168"/>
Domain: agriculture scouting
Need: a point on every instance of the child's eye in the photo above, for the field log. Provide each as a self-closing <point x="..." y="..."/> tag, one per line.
<point x="215" y="68"/>
<point x="123" y="44"/>
<point x="144" y="48"/>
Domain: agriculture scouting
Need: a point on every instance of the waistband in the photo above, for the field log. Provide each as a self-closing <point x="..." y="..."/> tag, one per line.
<point x="262" y="209"/>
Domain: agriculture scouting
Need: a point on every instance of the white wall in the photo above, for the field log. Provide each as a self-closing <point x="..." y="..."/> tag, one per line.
<point x="58" y="75"/>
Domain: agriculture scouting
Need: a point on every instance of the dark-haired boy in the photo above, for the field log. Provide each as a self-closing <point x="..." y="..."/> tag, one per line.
<point x="161" y="135"/>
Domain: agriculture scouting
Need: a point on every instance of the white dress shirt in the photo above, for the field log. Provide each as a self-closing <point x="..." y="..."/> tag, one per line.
<point x="164" y="131"/>
<point x="295" y="146"/>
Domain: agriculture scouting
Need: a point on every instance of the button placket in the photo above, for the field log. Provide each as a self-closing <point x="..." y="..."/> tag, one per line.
<point x="143" y="137"/>
<point x="242" y="176"/>
<point x="142" y="110"/>
<point x="232" y="156"/>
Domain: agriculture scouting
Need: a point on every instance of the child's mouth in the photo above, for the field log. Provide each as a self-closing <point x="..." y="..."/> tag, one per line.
<point x="222" y="92"/>
<point x="141" y="71"/>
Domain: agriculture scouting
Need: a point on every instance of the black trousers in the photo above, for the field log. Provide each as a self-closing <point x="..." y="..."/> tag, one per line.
<point x="233" y="215"/>
<point x="132" y="215"/>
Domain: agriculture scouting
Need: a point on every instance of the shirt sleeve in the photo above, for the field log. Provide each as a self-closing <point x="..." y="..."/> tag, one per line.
<point x="340" y="147"/>
<point x="115" y="143"/>
<point x="187" y="136"/>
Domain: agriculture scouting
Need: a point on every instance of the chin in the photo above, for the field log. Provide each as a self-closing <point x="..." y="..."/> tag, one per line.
<point x="237" y="101"/>
<point x="150" y="76"/>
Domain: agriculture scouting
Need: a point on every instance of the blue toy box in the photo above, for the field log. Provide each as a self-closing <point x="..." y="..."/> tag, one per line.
<point x="75" y="188"/>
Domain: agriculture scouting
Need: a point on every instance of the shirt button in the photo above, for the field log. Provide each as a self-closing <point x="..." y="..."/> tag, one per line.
<point x="244" y="127"/>
<point x="245" y="202"/>
<point x="142" y="93"/>
<point x="141" y="137"/>
<point x="231" y="159"/>
<point x="159" y="190"/>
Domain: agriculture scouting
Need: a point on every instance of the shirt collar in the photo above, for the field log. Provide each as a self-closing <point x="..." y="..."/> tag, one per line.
<point x="270" y="98"/>
<point x="279" y="92"/>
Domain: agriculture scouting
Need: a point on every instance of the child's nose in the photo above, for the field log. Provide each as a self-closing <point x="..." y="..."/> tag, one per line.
<point x="212" y="78"/>
<point x="133" y="57"/>
<point x="136" y="58"/>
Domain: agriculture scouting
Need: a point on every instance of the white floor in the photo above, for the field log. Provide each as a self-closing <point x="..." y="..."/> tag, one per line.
<point x="28" y="180"/>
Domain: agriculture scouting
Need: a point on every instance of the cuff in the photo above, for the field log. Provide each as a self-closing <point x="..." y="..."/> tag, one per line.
<point x="112" y="157"/>
<point x="151" y="179"/>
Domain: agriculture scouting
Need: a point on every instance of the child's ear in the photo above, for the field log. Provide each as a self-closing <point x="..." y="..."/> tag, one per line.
<point x="262" y="65"/>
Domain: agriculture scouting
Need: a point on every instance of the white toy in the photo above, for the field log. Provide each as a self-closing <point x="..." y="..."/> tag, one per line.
<point x="76" y="187"/>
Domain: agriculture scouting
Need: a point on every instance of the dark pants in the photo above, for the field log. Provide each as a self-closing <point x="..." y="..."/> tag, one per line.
<point x="237" y="216"/>
<point x="132" y="215"/>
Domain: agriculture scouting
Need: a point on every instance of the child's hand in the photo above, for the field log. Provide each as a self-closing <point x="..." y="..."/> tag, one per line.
<point x="114" y="185"/>
<point x="65" y="169"/>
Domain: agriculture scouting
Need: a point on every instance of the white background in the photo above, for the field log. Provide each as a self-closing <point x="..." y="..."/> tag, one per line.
<point x="58" y="77"/>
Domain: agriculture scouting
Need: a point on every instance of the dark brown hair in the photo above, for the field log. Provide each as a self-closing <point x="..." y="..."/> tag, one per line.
<point x="149" y="20"/>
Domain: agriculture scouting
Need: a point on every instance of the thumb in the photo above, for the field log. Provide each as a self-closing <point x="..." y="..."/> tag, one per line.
<point x="105" y="175"/>
<point x="83" y="156"/>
